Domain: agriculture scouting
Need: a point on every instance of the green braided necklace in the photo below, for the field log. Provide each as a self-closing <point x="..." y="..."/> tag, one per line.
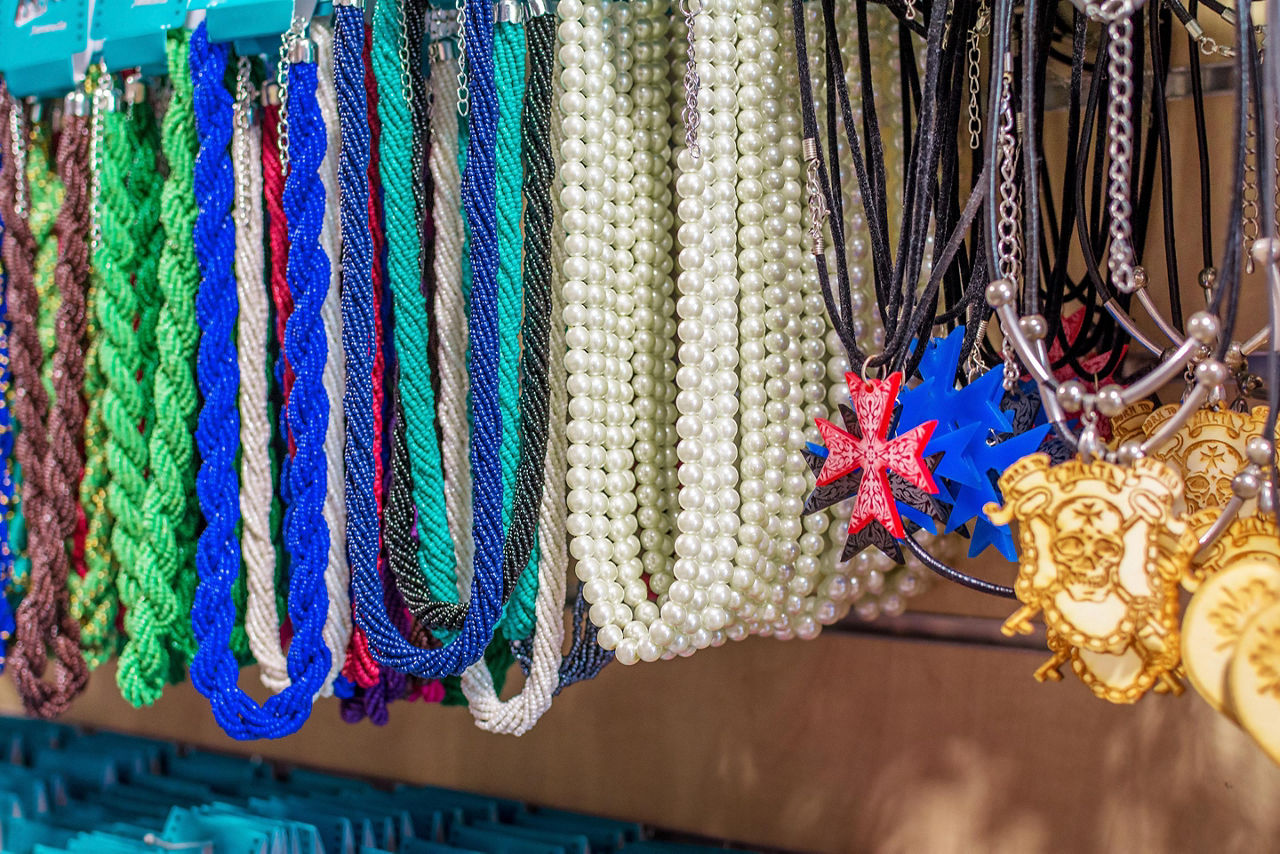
<point x="93" y="601"/>
<point x="509" y="71"/>
<point x="158" y="589"/>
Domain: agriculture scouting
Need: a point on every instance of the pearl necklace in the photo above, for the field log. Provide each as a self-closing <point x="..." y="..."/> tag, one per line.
<point x="707" y="378"/>
<point x="773" y="470"/>
<point x="653" y="362"/>
<point x="597" y="400"/>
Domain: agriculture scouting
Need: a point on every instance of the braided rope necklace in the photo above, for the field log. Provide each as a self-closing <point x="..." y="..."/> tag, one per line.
<point x="19" y="249"/>
<point x="43" y="619"/>
<point x="93" y="598"/>
<point x="130" y="215"/>
<point x="214" y="669"/>
<point x="386" y="642"/>
<point x="520" y="713"/>
<point x="337" y="630"/>
<point x="156" y="589"/>
<point x="262" y="622"/>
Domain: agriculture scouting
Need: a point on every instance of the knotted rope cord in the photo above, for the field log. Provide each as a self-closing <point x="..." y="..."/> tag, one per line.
<point x="517" y="715"/>
<point x="387" y="644"/>
<point x="156" y="589"/>
<point x="93" y="596"/>
<point x="44" y="619"/>
<point x="31" y="408"/>
<point x="214" y="669"/>
<point x="337" y="578"/>
<point x="262" y="619"/>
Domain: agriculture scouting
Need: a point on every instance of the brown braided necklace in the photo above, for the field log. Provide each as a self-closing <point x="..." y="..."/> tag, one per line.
<point x="53" y="457"/>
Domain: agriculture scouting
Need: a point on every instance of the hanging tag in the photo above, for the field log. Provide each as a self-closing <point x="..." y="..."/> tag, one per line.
<point x="255" y="26"/>
<point x="133" y="32"/>
<point x="44" y="45"/>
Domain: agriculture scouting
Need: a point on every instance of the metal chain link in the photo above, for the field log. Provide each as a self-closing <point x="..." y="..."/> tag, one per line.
<point x="1250" y="227"/>
<point x="295" y="34"/>
<point x="981" y="28"/>
<point x="243" y="117"/>
<point x="104" y="101"/>
<point x="1009" y="224"/>
<point x="17" y="133"/>
<point x="1120" y="254"/>
<point x="464" y="93"/>
<point x="692" y="83"/>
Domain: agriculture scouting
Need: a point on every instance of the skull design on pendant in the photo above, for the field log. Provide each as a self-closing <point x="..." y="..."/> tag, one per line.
<point x="1101" y="550"/>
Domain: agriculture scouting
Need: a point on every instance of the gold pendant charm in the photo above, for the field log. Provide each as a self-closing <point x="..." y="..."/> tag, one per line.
<point x="1249" y="538"/>
<point x="1101" y="550"/>
<point x="1253" y="681"/>
<point x="1216" y="619"/>
<point x="1209" y="449"/>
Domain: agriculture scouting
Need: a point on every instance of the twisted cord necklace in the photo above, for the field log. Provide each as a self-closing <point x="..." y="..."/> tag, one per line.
<point x="387" y="643"/>
<point x="337" y="630"/>
<point x="44" y="620"/>
<point x="519" y="714"/>
<point x="93" y="598"/>
<point x="262" y="622"/>
<point x="130" y="220"/>
<point x="156" y="590"/>
<point x="214" y="669"/>
<point x="17" y="250"/>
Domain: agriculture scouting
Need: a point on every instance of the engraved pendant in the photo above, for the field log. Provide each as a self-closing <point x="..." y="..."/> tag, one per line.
<point x="1101" y="550"/>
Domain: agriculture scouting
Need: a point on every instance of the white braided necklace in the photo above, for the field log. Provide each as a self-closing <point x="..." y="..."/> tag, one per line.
<point x="262" y="625"/>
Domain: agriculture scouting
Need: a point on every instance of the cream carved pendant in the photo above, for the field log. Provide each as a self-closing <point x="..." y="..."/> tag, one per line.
<point x="1208" y="450"/>
<point x="1248" y="538"/>
<point x="1233" y="580"/>
<point x="1253" y="681"/>
<point x="1101" y="550"/>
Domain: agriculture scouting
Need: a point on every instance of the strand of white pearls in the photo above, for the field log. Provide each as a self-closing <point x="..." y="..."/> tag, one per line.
<point x="707" y="378"/>
<point x="592" y="360"/>
<point x="772" y="257"/>
<point x="653" y="362"/>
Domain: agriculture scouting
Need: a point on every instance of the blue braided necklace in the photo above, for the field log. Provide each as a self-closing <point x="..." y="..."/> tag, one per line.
<point x="386" y="642"/>
<point x="214" y="669"/>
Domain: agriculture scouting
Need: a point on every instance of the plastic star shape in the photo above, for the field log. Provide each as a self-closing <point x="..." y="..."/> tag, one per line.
<point x="870" y="450"/>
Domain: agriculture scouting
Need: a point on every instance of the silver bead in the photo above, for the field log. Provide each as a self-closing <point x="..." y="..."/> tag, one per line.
<point x="1203" y="327"/>
<point x="1246" y="485"/>
<point x="1267" y="500"/>
<point x="1034" y="326"/>
<point x="1265" y="250"/>
<point x="1235" y="358"/>
<point x="1070" y="396"/>
<point x="1260" y="451"/>
<point x="1109" y="400"/>
<point x="1129" y="452"/>
<point x="1140" y="278"/>
<point x="1000" y="292"/>
<point x="1211" y="373"/>
<point x="1208" y="278"/>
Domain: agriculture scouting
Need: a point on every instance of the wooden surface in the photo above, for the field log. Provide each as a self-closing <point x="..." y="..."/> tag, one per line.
<point x="846" y="743"/>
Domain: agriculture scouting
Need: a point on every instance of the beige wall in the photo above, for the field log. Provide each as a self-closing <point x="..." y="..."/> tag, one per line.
<point x="847" y="743"/>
